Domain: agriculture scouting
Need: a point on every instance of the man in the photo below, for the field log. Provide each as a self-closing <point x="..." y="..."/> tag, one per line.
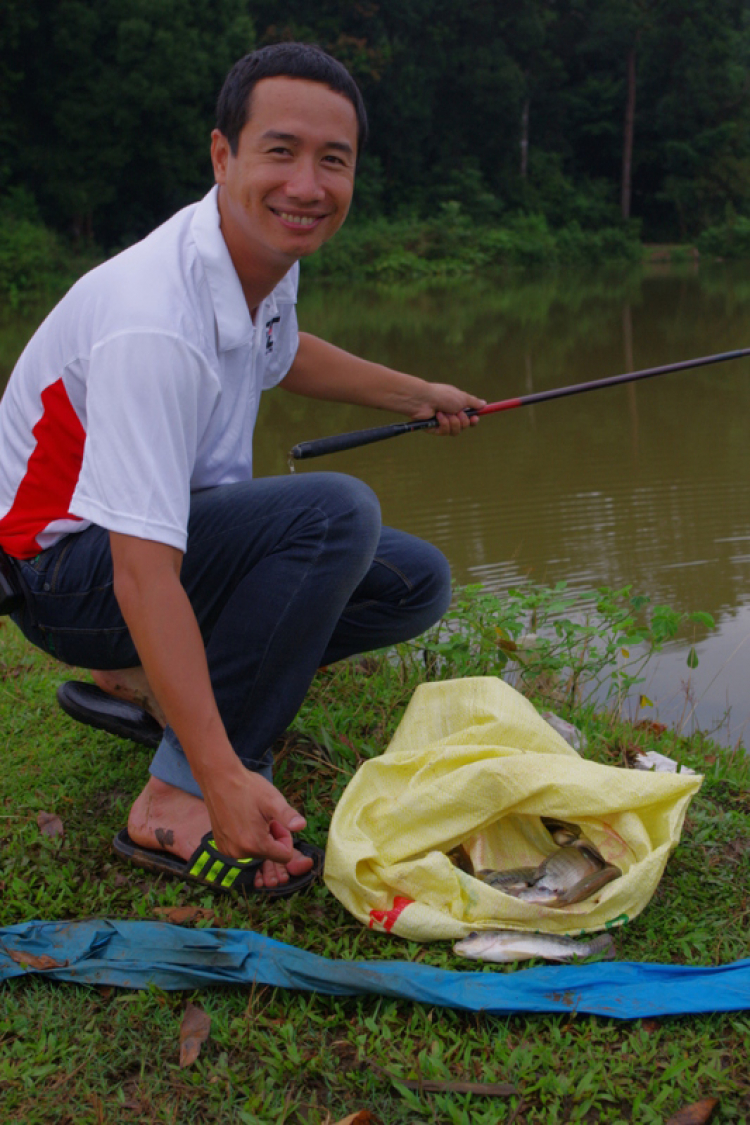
<point x="145" y="549"/>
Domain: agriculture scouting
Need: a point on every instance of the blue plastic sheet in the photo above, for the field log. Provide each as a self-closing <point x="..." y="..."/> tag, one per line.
<point x="137" y="954"/>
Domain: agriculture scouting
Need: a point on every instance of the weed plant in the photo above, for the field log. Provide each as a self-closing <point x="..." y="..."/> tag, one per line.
<point x="451" y="244"/>
<point x="562" y="647"/>
<point x="70" y="1054"/>
<point x="34" y="261"/>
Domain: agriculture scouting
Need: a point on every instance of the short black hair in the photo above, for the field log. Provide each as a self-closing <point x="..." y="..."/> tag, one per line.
<point x="283" y="60"/>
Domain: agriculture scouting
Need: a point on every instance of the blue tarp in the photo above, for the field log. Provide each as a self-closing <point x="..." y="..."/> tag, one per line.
<point x="137" y="954"/>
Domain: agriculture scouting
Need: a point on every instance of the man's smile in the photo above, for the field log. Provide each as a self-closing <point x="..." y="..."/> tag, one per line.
<point x="297" y="220"/>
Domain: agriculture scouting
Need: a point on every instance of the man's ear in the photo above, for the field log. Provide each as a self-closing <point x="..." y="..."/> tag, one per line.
<point x="220" y="153"/>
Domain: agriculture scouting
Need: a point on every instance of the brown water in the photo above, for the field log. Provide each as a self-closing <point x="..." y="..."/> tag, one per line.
<point x="645" y="485"/>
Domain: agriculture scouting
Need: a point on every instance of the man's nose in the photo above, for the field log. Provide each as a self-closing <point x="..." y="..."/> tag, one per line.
<point x="304" y="181"/>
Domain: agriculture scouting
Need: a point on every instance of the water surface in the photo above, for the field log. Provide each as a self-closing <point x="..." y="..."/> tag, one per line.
<point x="645" y="485"/>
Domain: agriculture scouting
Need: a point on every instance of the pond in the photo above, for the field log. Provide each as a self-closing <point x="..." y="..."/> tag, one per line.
<point x="644" y="485"/>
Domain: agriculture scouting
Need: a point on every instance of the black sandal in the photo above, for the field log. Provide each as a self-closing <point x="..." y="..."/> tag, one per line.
<point x="210" y="868"/>
<point x="87" y="703"/>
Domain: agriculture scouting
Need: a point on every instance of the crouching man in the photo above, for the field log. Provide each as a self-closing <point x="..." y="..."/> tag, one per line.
<point x="143" y="546"/>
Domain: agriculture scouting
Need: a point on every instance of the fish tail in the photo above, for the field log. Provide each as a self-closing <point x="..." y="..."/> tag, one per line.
<point x="602" y="944"/>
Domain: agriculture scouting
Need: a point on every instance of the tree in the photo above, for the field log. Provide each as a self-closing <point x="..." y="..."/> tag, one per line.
<point x="117" y="107"/>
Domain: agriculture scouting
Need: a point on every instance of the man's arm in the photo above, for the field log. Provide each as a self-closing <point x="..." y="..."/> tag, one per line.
<point x="248" y="815"/>
<point x="321" y="370"/>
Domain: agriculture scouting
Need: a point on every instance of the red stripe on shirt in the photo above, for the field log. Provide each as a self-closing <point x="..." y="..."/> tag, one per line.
<point x="51" y="475"/>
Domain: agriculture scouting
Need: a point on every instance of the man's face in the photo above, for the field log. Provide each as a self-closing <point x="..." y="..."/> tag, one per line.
<point x="289" y="187"/>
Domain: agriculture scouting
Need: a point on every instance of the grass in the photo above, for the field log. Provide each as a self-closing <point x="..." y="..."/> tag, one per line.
<point x="70" y="1054"/>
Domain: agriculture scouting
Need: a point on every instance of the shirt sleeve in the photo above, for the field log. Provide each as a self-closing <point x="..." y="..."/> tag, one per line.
<point x="148" y="396"/>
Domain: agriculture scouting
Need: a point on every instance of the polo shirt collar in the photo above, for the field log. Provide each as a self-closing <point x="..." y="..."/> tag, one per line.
<point x="233" y="322"/>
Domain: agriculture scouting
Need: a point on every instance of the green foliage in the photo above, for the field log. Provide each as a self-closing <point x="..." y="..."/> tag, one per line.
<point x="730" y="239"/>
<point x="28" y="253"/>
<point x="115" y="106"/>
<point x="106" y="108"/>
<point x="450" y="245"/>
<point x="556" y="645"/>
<point x="34" y="261"/>
<point x="87" y="1055"/>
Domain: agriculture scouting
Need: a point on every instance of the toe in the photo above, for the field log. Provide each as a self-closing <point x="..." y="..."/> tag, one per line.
<point x="277" y="874"/>
<point x="299" y="864"/>
<point x="271" y="875"/>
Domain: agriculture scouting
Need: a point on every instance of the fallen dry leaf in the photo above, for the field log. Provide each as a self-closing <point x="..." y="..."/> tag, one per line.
<point x="507" y="645"/>
<point x="50" y="824"/>
<point x="194" y="1030"/>
<point x="34" y="962"/>
<point x="364" y="1117"/>
<point x="650" y="726"/>
<point x="180" y="914"/>
<point x="695" y="1114"/>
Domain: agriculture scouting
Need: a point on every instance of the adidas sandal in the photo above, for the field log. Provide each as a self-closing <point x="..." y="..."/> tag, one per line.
<point x="209" y="867"/>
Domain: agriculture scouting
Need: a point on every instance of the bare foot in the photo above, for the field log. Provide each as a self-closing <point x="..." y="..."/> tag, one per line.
<point x="166" y="818"/>
<point x="131" y="684"/>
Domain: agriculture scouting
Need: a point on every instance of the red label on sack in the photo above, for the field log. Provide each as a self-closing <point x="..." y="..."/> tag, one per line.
<point x="387" y="918"/>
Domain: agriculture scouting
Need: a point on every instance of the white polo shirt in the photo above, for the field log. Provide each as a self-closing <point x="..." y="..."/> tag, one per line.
<point x="141" y="386"/>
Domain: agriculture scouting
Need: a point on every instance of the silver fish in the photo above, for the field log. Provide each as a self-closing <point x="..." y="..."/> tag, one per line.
<point x="566" y="867"/>
<point x="510" y="881"/>
<point x="569" y="875"/>
<point x="541" y="895"/>
<point x="561" y="831"/>
<point x="575" y="871"/>
<point x="510" y="945"/>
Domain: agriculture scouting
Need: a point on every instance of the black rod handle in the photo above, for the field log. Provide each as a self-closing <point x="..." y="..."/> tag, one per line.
<point x="339" y="442"/>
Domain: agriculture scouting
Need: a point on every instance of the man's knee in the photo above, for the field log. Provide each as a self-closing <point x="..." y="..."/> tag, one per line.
<point x="350" y="511"/>
<point x="351" y="499"/>
<point x="410" y="573"/>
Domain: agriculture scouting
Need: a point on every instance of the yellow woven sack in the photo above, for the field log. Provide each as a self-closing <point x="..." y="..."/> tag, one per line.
<point x="472" y="761"/>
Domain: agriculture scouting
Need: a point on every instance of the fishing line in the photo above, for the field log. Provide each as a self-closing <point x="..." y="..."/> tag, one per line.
<point x="339" y="442"/>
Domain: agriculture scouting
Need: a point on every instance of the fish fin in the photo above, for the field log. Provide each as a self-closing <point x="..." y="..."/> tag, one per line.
<point x="603" y="945"/>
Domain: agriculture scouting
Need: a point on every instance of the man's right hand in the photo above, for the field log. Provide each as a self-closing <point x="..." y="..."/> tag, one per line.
<point x="250" y="817"/>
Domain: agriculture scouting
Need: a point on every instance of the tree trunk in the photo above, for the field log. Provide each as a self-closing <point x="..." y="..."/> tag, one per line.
<point x="525" y="138"/>
<point x="627" y="146"/>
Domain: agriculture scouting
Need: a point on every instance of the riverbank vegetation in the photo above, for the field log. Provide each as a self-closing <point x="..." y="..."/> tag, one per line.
<point x="35" y="261"/>
<point x="533" y="133"/>
<point x="80" y="1055"/>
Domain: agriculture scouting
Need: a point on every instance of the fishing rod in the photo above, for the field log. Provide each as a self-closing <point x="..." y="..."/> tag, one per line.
<point x="339" y="442"/>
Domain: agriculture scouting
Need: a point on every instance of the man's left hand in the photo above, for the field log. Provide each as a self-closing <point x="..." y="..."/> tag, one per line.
<point x="449" y="405"/>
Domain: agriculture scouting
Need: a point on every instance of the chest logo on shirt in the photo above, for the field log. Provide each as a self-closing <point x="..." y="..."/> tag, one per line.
<point x="269" y="332"/>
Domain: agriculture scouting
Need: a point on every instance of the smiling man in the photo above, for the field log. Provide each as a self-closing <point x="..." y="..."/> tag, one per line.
<point x="145" y="549"/>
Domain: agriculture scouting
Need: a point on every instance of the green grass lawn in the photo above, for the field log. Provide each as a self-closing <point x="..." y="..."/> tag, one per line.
<point x="71" y="1054"/>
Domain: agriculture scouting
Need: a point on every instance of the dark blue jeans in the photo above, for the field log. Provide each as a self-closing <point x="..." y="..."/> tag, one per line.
<point x="284" y="574"/>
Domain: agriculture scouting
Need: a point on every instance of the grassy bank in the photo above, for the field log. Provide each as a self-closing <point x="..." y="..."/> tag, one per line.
<point x="74" y="1055"/>
<point x="35" y="262"/>
<point x="451" y="245"/>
